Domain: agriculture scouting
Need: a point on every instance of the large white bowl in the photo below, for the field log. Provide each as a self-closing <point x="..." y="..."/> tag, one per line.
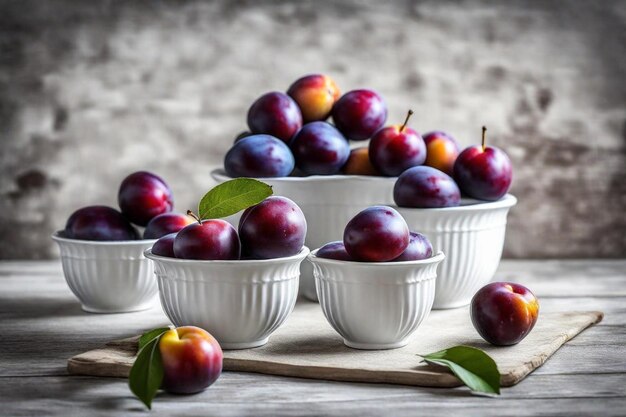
<point x="375" y="305"/>
<point x="241" y="303"/>
<point x="472" y="237"/>
<point x="108" y="277"/>
<point x="328" y="203"/>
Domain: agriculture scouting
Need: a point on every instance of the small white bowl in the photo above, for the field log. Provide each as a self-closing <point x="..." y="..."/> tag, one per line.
<point x="328" y="203"/>
<point x="375" y="305"/>
<point x="240" y="302"/>
<point x="108" y="276"/>
<point x="472" y="237"/>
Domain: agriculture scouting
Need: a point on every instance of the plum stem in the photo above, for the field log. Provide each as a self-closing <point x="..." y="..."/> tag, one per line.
<point x="484" y="137"/>
<point x="408" y="116"/>
<point x="191" y="213"/>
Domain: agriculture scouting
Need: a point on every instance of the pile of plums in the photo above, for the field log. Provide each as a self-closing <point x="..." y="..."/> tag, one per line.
<point x="144" y="200"/>
<point x="289" y="135"/>
<point x="378" y="234"/>
<point x="481" y="172"/>
<point x="274" y="228"/>
<point x="289" y="130"/>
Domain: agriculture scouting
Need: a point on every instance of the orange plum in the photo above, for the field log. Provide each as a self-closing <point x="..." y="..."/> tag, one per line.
<point x="315" y="94"/>
<point x="358" y="163"/>
<point x="441" y="151"/>
<point x="192" y="360"/>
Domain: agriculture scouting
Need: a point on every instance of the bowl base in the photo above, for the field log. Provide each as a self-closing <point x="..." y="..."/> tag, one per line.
<point x="243" y="345"/>
<point x="132" y="309"/>
<point x="455" y="304"/>
<point x="375" y="346"/>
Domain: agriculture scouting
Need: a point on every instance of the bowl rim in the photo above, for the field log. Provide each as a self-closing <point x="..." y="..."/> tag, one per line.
<point x="58" y="237"/>
<point x="472" y="204"/>
<point x="303" y="253"/>
<point x="219" y="174"/>
<point x="438" y="257"/>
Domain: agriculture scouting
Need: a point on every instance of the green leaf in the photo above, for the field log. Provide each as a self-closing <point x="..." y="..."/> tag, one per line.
<point x="232" y="196"/>
<point x="149" y="336"/>
<point x="472" y="366"/>
<point x="146" y="375"/>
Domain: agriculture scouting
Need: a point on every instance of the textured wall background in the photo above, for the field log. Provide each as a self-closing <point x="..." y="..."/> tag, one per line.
<point x="90" y="91"/>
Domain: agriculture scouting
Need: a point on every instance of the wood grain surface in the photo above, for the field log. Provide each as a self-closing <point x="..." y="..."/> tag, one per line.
<point x="42" y="325"/>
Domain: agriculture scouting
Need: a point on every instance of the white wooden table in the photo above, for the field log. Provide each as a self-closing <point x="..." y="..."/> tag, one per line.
<point x="41" y="325"/>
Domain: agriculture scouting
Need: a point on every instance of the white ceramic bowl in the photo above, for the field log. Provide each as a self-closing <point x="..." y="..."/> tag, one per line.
<point x="328" y="203"/>
<point x="108" y="277"/>
<point x="241" y="303"/>
<point x="472" y="237"/>
<point x="375" y="305"/>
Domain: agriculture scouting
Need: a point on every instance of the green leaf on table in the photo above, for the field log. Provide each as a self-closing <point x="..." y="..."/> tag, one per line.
<point x="472" y="366"/>
<point x="232" y="196"/>
<point x="146" y="375"/>
<point x="149" y="336"/>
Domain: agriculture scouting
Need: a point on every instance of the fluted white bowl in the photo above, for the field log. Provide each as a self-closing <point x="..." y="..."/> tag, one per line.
<point x="241" y="302"/>
<point x="108" y="277"/>
<point x="375" y="305"/>
<point x="328" y="203"/>
<point x="472" y="237"/>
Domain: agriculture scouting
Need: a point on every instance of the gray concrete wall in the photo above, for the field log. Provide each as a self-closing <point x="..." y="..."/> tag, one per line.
<point x="92" y="90"/>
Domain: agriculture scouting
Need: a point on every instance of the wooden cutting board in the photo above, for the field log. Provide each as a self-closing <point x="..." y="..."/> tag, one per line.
<point x="307" y="347"/>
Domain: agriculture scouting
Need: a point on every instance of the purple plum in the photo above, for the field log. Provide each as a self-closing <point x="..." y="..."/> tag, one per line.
<point x="143" y="196"/>
<point x="334" y="250"/>
<point x="274" y="228"/>
<point x="419" y="248"/>
<point x="376" y="234"/>
<point x="260" y="156"/>
<point x="320" y="149"/>
<point x="99" y="223"/>
<point x="425" y="187"/>
<point x="210" y="240"/>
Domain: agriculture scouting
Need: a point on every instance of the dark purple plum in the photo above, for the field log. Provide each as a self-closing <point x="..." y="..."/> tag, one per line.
<point x="358" y="114"/>
<point x="274" y="228"/>
<point x="210" y="240"/>
<point x="426" y="187"/>
<point x="419" y="248"/>
<point x="394" y="149"/>
<point x="260" y="156"/>
<point x="334" y="250"/>
<point x="242" y="135"/>
<point x="376" y="234"/>
<point x="100" y="223"/>
<point x="275" y="114"/>
<point x="143" y="196"/>
<point x="483" y="172"/>
<point x="320" y="149"/>
<point x="166" y="223"/>
<point x="503" y="313"/>
<point x="165" y="246"/>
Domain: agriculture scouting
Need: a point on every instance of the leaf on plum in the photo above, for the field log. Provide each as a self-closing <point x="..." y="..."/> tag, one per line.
<point x="146" y="375"/>
<point x="232" y="196"/>
<point x="149" y="336"/>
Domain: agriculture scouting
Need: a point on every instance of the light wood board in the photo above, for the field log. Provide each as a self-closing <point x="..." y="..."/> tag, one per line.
<point x="306" y="346"/>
